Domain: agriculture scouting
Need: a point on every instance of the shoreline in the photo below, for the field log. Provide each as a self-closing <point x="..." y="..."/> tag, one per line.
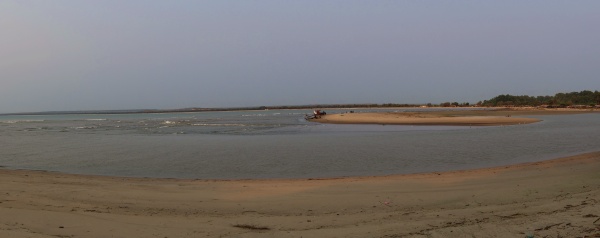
<point x="544" y="198"/>
<point x="7" y="170"/>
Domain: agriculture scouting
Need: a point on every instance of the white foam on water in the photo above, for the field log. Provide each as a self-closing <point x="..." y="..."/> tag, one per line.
<point x="20" y="121"/>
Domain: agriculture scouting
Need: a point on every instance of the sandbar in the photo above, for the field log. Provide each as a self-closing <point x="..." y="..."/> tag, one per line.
<point x="555" y="198"/>
<point x="450" y="118"/>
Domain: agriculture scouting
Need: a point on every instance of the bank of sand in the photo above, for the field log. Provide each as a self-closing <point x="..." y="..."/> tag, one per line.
<point x="556" y="198"/>
<point x="452" y="117"/>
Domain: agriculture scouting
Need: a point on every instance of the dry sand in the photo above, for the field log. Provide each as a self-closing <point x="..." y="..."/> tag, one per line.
<point x="556" y="198"/>
<point x="453" y="117"/>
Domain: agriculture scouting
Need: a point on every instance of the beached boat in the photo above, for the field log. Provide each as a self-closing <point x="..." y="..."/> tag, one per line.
<point x="316" y="115"/>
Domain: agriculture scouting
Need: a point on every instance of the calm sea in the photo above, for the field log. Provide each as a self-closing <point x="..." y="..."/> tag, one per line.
<point x="276" y="144"/>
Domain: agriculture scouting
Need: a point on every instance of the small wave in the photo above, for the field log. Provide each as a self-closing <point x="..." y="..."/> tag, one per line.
<point x="84" y="127"/>
<point x="221" y="124"/>
<point x="20" y="121"/>
<point x="96" y="119"/>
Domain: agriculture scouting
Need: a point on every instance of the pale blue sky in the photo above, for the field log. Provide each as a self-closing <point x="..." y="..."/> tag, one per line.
<point x="96" y="55"/>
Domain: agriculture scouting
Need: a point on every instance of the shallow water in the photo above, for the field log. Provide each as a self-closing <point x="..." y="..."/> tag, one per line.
<point x="276" y="144"/>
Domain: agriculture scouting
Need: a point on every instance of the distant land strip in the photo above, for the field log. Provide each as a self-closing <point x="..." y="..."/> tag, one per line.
<point x="584" y="99"/>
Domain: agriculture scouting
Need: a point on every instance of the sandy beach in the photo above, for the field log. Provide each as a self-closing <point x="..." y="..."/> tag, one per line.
<point x="552" y="198"/>
<point x="452" y="118"/>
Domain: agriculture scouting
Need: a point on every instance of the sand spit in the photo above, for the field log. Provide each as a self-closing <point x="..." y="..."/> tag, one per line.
<point x="451" y="118"/>
<point x="552" y="198"/>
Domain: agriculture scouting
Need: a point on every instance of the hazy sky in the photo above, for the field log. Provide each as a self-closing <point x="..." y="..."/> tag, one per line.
<point x="95" y="55"/>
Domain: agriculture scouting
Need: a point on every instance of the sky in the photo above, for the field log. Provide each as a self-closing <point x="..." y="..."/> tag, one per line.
<point x="108" y="55"/>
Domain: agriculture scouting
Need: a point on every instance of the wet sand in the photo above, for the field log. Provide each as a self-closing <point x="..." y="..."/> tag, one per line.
<point x="552" y="198"/>
<point x="452" y="118"/>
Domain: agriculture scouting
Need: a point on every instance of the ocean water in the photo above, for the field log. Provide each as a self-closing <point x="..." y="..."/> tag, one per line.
<point x="276" y="144"/>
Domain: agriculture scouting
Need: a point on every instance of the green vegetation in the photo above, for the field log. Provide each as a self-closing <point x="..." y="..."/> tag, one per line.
<point x="575" y="99"/>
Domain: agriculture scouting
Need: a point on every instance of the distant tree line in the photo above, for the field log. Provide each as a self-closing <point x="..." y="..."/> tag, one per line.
<point x="583" y="98"/>
<point x="368" y="105"/>
<point x="452" y="104"/>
